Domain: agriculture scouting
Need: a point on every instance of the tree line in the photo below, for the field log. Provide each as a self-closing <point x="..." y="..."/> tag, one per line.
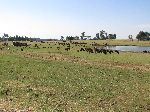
<point x="103" y="35"/>
<point x="141" y="36"/>
<point x="6" y="37"/>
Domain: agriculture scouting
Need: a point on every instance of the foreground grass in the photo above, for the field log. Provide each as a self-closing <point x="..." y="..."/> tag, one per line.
<point x="47" y="79"/>
<point x="54" y="85"/>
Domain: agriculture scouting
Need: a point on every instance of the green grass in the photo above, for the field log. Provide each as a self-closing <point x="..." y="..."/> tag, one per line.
<point x="50" y="80"/>
<point x="119" y="42"/>
<point x="55" y="85"/>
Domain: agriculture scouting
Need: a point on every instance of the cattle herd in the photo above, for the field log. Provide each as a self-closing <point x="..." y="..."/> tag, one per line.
<point x="67" y="46"/>
<point x="99" y="50"/>
<point x="19" y="44"/>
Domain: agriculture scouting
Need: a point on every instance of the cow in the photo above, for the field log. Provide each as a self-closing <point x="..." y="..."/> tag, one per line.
<point x="67" y="49"/>
<point x="104" y="51"/>
<point x="21" y="49"/>
<point x="117" y="51"/>
<point x="110" y="51"/>
<point x="58" y="48"/>
<point x="82" y="49"/>
<point x="5" y="44"/>
<point x="90" y="50"/>
<point x="145" y="51"/>
<point x="96" y="50"/>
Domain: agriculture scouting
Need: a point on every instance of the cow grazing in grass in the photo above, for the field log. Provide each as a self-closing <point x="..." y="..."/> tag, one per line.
<point x="146" y="51"/>
<point x="104" y="51"/>
<point x="58" y="48"/>
<point x="110" y="51"/>
<point x="67" y="49"/>
<point x="35" y="45"/>
<point x="117" y="51"/>
<point x="96" y="50"/>
<point x="21" y="49"/>
<point x="5" y="44"/>
<point x="90" y="50"/>
<point x="82" y="49"/>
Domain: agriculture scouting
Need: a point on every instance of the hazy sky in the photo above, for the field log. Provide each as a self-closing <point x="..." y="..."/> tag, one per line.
<point x="53" y="18"/>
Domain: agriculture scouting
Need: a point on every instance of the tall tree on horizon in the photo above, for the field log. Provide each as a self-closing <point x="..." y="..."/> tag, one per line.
<point x="143" y="36"/>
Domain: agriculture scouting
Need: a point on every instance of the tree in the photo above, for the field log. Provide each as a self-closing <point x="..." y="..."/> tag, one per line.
<point x="6" y="35"/>
<point x="115" y="36"/>
<point x="18" y="38"/>
<point x="130" y="37"/>
<point x="97" y="36"/>
<point x="69" y="38"/>
<point x="10" y="39"/>
<point x="76" y="38"/>
<point x="62" y="38"/>
<point x="72" y="38"/>
<point x="102" y="35"/>
<point x="143" y="36"/>
<point x="82" y="35"/>
<point x="112" y="36"/>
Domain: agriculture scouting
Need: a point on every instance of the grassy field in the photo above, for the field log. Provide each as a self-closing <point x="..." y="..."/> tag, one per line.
<point x="120" y="42"/>
<point x="51" y="80"/>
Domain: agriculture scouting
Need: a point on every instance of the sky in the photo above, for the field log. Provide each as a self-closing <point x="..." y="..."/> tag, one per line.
<point x="56" y="18"/>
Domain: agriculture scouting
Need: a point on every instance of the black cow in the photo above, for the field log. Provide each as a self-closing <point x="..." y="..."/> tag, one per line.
<point x="82" y="49"/>
<point x="67" y="49"/>
<point x="96" y="50"/>
<point x="21" y="49"/>
<point x="90" y="50"/>
<point x="104" y="51"/>
<point x="117" y="51"/>
<point x="110" y="51"/>
<point x="58" y="48"/>
<point x="146" y="51"/>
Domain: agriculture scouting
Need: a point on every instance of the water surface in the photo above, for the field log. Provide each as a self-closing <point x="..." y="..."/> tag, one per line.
<point x="129" y="48"/>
